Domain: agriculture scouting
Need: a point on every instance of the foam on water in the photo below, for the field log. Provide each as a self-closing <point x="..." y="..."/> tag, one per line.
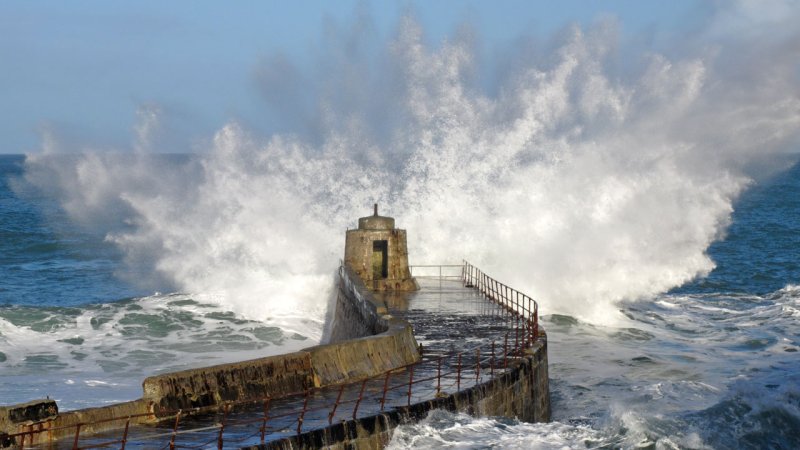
<point x="108" y="349"/>
<point x="442" y="429"/>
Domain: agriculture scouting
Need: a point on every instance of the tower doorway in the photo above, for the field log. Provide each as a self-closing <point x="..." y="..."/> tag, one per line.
<point x="380" y="260"/>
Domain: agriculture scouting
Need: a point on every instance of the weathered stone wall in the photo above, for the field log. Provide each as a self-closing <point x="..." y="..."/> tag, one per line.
<point x="358" y="312"/>
<point x="62" y="425"/>
<point x="245" y="380"/>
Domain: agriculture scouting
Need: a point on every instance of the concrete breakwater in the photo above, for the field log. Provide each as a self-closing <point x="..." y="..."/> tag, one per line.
<point x="368" y="344"/>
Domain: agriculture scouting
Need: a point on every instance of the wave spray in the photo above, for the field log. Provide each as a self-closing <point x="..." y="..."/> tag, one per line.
<point x="569" y="175"/>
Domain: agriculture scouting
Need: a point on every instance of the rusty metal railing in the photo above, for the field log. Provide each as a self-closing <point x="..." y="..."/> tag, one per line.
<point x="516" y="303"/>
<point x="433" y="376"/>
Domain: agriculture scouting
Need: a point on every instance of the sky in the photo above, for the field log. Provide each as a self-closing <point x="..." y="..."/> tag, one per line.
<point x="81" y="74"/>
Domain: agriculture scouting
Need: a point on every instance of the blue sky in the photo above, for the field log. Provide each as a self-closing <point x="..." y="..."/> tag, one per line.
<point x="80" y="70"/>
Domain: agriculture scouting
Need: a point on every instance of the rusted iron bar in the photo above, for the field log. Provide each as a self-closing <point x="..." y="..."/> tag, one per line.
<point x="385" y="386"/>
<point x="125" y="434"/>
<point x="491" y="363"/>
<point x="360" y="396"/>
<point x="225" y="411"/>
<point x="77" y="436"/>
<point x="477" y="364"/>
<point x="505" y="352"/>
<point x="439" y="377"/>
<point x="336" y="404"/>
<point x="175" y="431"/>
<point x="303" y="412"/>
<point x="410" y="383"/>
<point x="458" y="374"/>
<point x="266" y="419"/>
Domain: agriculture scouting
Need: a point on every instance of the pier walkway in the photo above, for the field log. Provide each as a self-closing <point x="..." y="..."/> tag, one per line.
<point x="467" y="337"/>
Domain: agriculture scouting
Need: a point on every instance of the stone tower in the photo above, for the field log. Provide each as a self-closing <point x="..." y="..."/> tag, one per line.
<point x="377" y="252"/>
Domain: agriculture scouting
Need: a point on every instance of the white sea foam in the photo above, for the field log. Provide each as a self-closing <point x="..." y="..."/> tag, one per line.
<point x="108" y="349"/>
<point x="443" y="429"/>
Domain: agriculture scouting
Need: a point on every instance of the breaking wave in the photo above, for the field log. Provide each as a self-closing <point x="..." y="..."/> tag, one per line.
<point x="577" y="178"/>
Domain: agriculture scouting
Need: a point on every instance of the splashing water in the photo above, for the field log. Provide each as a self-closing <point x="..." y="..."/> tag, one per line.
<point x="572" y="183"/>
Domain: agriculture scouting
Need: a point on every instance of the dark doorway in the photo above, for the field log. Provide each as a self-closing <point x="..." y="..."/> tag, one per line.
<point x="380" y="259"/>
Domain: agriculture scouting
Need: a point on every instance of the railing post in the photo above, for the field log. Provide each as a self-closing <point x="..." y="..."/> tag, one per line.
<point x="175" y="430"/>
<point x="385" y="387"/>
<point x="505" y="352"/>
<point x="266" y="418"/>
<point x="531" y="321"/>
<point x="303" y="412"/>
<point x="222" y="425"/>
<point x="125" y="433"/>
<point x="491" y="363"/>
<point x="477" y="364"/>
<point x="458" y="374"/>
<point x="439" y="377"/>
<point x="410" y="382"/>
<point x="335" y="405"/>
<point x="77" y="436"/>
<point x="360" y="394"/>
<point x="516" y="337"/>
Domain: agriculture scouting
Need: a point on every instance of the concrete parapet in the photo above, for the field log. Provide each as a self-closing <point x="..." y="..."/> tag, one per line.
<point x="97" y="420"/>
<point x="389" y="342"/>
<point x="361" y="358"/>
<point x="214" y="385"/>
<point x="27" y="413"/>
<point x="52" y="425"/>
<point x="358" y="313"/>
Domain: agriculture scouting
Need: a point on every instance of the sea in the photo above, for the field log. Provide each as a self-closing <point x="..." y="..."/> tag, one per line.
<point x="710" y="363"/>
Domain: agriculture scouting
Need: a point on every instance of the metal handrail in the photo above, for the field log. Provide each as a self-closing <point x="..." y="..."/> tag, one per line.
<point x="441" y="276"/>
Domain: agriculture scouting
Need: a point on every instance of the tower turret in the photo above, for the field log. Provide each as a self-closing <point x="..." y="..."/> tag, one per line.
<point x="378" y="253"/>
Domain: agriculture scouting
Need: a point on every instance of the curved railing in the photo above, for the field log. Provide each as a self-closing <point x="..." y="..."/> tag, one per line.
<point x="269" y="418"/>
<point x="515" y="302"/>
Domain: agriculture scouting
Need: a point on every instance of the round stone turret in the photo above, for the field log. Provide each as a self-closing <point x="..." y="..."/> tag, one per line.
<point x="376" y="222"/>
<point x="377" y="252"/>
